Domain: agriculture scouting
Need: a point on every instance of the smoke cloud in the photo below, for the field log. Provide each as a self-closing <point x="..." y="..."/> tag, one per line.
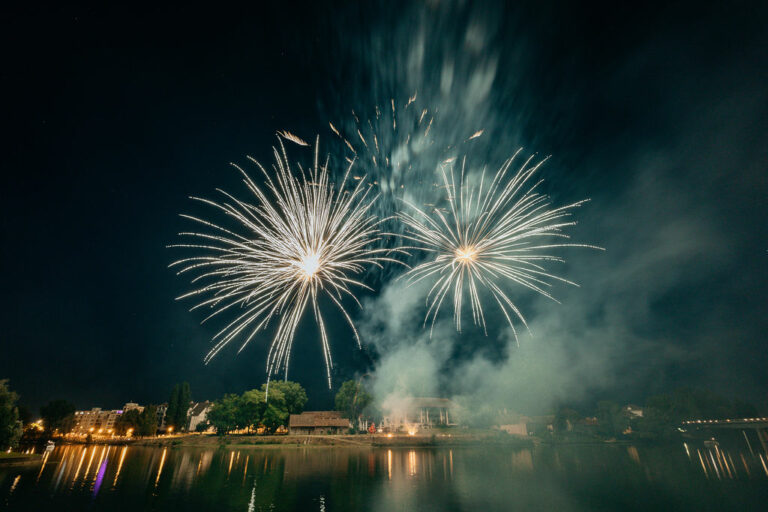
<point x="651" y="311"/>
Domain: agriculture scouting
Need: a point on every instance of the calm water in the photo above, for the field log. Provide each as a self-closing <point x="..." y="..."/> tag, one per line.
<point x="488" y="478"/>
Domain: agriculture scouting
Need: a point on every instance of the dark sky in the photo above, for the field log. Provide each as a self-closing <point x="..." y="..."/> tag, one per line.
<point x="113" y="117"/>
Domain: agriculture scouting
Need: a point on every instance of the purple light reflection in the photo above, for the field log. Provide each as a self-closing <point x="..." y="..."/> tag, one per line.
<point x="100" y="476"/>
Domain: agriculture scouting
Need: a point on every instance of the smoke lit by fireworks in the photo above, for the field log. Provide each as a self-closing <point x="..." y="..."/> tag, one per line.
<point x="489" y="236"/>
<point x="400" y="145"/>
<point x="302" y="239"/>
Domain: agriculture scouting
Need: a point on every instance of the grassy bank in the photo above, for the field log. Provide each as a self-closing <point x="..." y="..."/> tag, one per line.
<point x="13" y="458"/>
<point x="361" y="440"/>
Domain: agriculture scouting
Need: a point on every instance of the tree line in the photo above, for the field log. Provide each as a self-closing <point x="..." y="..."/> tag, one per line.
<point x="661" y="415"/>
<point x="250" y="411"/>
<point x="253" y="412"/>
<point x="264" y="412"/>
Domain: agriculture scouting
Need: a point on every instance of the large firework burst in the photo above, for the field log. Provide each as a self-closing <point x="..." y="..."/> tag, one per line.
<point x="302" y="239"/>
<point x="489" y="236"/>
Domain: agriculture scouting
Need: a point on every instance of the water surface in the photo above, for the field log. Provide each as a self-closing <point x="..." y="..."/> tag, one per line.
<point x="488" y="478"/>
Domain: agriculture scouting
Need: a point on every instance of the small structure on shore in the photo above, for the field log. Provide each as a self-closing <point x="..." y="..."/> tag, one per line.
<point x="418" y="413"/>
<point x="318" y="422"/>
<point x="515" y="424"/>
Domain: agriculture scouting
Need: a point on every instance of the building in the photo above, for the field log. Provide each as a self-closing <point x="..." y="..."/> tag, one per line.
<point x="541" y="425"/>
<point x="318" y="422"/>
<point x="95" y="421"/>
<point x="133" y="405"/>
<point x="515" y="424"/>
<point x="197" y="414"/>
<point x="420" y="413"/>
<point x="161" y="410"/>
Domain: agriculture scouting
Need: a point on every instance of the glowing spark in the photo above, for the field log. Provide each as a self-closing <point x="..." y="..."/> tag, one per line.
<point x="488" y="236"/>
<point x="476" y="134"/>
<point x="293" y="138"/>
<point x="302" y="240"/>
<point x="309" y="264"/>
<point x="466" y="255"/>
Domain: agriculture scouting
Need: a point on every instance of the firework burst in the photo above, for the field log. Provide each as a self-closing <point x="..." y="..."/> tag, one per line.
<point x="400" y="146"/>
<point x="302" y="240"/>
<point x="489" y="236"/>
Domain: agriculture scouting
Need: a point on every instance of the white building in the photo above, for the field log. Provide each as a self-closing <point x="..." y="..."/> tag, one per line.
<point x="198" y="413"/>
<point x="133" y="405"/>
<point x="95" y="421"/>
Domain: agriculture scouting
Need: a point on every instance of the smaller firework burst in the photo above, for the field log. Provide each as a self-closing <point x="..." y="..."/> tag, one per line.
<point x="488" y="238"/>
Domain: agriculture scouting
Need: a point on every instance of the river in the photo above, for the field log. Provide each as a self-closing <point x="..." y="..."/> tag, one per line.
<point x="482" y="478"/>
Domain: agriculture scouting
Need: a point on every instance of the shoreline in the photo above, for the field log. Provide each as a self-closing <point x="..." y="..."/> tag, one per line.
<point x="19" y="459"/>
<point x="343" y="440"/>
<point x="359" y="440"/>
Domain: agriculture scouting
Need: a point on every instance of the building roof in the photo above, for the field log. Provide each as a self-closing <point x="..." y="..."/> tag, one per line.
<point x="431" y="402"/>
<point x="199" y="408"/>
<point x="318" y="419"/>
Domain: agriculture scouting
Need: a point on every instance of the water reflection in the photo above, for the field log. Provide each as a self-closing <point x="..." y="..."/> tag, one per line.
<point x="320" y="478"/>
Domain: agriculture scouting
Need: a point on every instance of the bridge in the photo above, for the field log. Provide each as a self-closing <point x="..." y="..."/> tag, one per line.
<point x="759" y="425"/>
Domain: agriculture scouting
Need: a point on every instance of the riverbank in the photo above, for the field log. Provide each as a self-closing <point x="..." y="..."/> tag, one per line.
<point x="19" y="459"/>
<point x="362" y="440"/>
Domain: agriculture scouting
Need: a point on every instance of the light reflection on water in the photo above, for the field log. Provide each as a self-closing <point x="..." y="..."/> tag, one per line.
<point x="586" y="477"/>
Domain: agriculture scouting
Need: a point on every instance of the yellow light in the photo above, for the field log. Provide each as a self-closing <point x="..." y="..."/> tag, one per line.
<point x="309" y="265"/>
<point x="389" y="435"/>
<point x="90" y="429"/>
<point x="170" y="429"/>
<point x="466" y="254"/>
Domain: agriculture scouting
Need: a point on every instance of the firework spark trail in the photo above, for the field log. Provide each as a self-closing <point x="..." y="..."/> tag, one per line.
<point x="399" y="150"/>
<point x="303" y="239"/>
<point x="393" y="147"/>
<point x="487" y="235"/>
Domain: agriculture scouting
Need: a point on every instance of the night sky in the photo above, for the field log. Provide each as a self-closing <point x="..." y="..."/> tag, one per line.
<point x="113" y="117"/>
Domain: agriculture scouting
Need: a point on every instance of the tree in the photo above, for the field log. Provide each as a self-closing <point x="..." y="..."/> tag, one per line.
<point x="611" y="420"/>
<point x="224" y="413"/>
<point x="181" y="413"/>
<point x="128" y="420"/>
<point x="275" y="411"/>
<point x="147" y="421"/>
<point x="178" y="405"/>
<point x="294" y="394"/>
<point x="251" y="408"/>
<point x="10" y="427"/>
<point x="352" y="399"/>
<point x="57" y="415"/>
<point x="173" y="407"/>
